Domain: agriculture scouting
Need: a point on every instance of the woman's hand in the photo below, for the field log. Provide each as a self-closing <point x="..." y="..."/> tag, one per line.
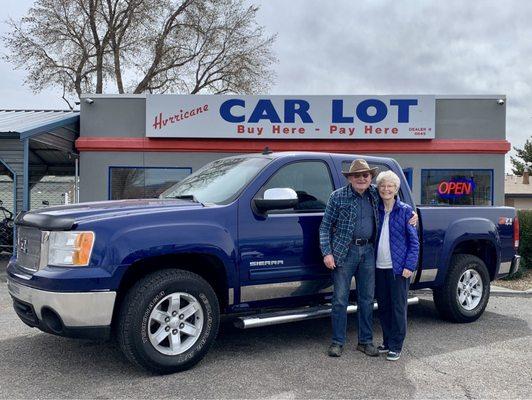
<point x="407" y="273"/>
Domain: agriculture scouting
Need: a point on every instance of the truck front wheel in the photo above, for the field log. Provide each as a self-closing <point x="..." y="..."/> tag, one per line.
<point x="168" y="321"/>
<point x="466" y="290"/>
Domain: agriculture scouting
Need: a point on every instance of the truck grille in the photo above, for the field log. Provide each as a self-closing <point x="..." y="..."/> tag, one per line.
<point x="28" y="247"/>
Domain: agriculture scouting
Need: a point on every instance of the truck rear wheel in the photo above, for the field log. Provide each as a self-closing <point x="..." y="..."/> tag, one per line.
<point x="168" y="321"/>
<point x="466" y="290"/>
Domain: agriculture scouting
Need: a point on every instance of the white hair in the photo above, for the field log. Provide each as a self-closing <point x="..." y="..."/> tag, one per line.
<point x="389" y="176"/>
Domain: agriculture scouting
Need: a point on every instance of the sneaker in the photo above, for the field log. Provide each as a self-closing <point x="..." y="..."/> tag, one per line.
<point x="393" y="355"/>
<point x="335" y="350"/>
<point x="383" y="349"/>
<point x="368" y="349"/>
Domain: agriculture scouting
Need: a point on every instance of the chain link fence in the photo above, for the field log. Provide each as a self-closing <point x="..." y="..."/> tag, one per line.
<point x="46" y="192"/>
<point x="7" y="197"/>
<point x="52" y="191"/>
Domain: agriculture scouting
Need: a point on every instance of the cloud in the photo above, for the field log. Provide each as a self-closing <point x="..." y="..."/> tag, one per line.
<point x="380" y="47"/>
<point x="406" y="47"/>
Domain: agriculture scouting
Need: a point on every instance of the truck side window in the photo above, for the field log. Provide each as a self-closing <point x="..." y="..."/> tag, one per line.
<point x="310" y="179"/>
<point x="382" y="167"/>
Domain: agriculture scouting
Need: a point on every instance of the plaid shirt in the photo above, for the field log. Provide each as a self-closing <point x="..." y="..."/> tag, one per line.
<point x="338" y="223"/>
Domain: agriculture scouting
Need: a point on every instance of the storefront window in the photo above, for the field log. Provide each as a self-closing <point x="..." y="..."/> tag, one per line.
<point x="468" y="187"/>
<point x="139" y="182"/>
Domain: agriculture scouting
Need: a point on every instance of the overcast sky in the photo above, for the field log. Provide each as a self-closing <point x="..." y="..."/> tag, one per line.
<point x="375" y="47"/>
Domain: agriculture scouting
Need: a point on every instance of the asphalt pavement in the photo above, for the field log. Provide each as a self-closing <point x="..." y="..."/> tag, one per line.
<point x="490" y="358"/>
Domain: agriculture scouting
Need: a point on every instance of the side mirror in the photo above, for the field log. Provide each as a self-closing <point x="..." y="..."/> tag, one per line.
<point x="276" y="199"/>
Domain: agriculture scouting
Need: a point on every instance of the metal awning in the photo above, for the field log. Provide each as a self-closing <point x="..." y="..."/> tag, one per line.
<point x="32" y="122"/>
<point x="54" y="128"/>
<point x="48" y="138"/>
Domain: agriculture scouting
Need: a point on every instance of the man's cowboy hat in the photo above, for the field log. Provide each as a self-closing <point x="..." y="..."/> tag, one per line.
<point x="360" y="166"/>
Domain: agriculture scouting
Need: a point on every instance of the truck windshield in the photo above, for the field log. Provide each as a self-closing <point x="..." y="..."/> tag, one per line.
<point x="218" y="182"/>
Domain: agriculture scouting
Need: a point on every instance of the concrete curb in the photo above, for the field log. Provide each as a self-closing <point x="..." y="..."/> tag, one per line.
<point x="504" y="292"/>
<point x="496" y="291"/>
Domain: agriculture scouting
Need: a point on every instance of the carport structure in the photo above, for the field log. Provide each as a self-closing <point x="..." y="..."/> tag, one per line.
<point x="33" y="144"/>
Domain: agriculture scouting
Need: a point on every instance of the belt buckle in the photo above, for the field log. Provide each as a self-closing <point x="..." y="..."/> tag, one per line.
<point x="358" y="242"/>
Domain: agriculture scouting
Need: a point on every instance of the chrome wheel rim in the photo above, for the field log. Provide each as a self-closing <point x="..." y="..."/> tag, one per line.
<point x="469" y="289"/>
<point x="175" y="323"/>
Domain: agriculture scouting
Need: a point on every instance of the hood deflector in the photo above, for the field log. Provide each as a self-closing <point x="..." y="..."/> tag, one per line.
<point x="45" y="222"/>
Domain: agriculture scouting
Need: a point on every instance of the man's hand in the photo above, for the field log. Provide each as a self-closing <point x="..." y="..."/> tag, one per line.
<point x="407" y="273"/>
<point x="414" y="219"/>
<point x="328" y="260"/>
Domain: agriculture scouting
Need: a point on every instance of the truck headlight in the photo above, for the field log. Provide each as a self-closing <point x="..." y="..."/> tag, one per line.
<point x="72" y="249"/>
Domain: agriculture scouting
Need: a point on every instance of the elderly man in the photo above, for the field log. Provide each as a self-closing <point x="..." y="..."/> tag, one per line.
<point x="347" y="237"/>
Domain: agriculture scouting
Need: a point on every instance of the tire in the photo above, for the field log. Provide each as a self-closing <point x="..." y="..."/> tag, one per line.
<point x="460" y="299"/>
<point x="155" y="328"/>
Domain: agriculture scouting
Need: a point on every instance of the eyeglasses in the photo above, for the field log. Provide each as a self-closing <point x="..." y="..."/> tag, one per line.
<point x="364" y="175"/>
<point x="392" y="186"/>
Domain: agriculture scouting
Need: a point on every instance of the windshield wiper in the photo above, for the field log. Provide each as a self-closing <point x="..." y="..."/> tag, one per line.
<point x="190" y="197"/>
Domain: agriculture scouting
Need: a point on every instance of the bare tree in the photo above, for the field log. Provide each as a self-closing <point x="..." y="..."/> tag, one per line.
<point x="137" y="46"/>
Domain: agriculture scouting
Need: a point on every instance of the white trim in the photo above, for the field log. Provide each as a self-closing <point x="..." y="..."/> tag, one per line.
<point x="505" y="267"/>
<point x="471" y="97"/>
<point x="428" y="275"/>
<point x="437" y="96"/>
<point x="270" y="291"/>
<point x="112" y="96"/>
<point x="231" y="295"/>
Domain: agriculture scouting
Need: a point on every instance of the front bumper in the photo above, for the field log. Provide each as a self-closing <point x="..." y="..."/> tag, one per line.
<point x="81" y="314"/>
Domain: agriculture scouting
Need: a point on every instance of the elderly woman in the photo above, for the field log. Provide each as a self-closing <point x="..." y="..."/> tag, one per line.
<point x="397" y="254"/>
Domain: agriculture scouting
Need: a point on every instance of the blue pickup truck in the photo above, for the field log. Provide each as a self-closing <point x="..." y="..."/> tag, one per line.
<point x="236" y="239"/>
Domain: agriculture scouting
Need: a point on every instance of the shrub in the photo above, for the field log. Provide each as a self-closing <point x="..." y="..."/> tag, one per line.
<point x="525" y="244"/>
<point x="525" y="238"/>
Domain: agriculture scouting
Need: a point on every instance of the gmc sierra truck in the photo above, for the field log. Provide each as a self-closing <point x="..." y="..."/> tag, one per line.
<point x="236" y="239"/>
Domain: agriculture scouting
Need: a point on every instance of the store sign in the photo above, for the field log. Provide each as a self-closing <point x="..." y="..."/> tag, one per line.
<point x="453" y="188"/>
<point x="290" y="117"/>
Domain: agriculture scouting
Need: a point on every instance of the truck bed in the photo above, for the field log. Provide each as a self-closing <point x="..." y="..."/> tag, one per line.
<point x="443" y="229"/>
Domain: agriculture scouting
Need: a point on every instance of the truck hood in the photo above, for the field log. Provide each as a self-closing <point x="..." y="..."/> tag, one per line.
<point x="88" y="212"/>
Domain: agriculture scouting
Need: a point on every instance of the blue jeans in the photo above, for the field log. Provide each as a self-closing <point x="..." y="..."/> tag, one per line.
<point x="360" y="263"/>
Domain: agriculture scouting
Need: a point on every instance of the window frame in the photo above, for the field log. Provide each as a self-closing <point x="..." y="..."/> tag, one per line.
<point x="379" y="165"/>
<point x="110" y="167"/>
<point x="297" y="212"/>
<point x="410" y="177"/>
<point x="492" y="181"/>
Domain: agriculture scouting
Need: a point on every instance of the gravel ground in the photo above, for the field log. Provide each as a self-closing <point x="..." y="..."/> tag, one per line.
<point x="488" y="359"/>
<point x="523" y="283"/>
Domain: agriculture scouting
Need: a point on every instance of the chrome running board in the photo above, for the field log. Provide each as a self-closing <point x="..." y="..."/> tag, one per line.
<point x="300" y="314"/>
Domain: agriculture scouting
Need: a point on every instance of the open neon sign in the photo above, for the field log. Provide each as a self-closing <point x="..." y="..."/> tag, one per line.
<point x="453" y="188"/>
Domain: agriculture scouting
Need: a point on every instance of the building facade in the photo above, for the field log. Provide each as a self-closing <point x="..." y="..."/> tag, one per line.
<point x="518" y="191"/>
<point x="451" y="148"/>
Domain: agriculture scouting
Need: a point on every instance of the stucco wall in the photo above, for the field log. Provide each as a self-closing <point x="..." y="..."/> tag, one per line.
<point x="94" y="178"/>
<point x="474" y="118"/>
<point x="519" y="203"/>
<point x="95" y="167"/>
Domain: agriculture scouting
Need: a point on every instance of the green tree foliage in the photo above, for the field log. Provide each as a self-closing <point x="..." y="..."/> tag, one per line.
<point x="525" y="244"/>
<point x="524" y="158"/>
